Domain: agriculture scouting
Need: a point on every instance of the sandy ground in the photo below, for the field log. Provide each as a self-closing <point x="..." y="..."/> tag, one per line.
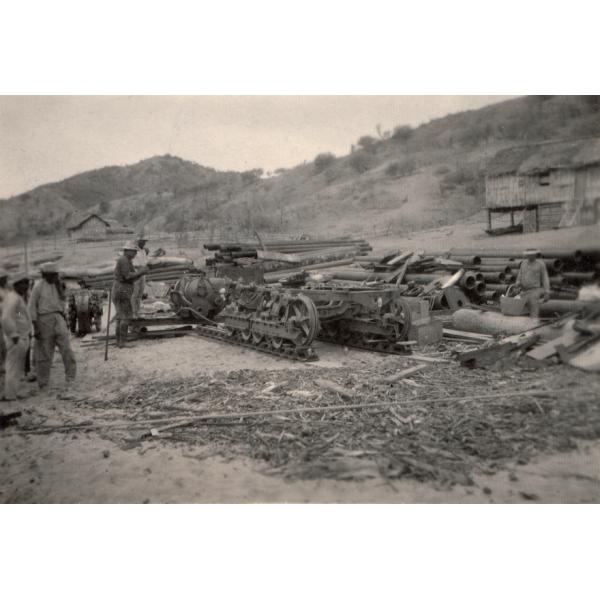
<point x="83" y="467"/>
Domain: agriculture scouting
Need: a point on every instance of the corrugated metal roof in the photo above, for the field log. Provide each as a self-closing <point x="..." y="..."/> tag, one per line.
<point x="569" y="154"/>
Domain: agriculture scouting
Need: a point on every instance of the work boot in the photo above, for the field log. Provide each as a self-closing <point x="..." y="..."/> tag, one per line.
<point x="123" y="342"/>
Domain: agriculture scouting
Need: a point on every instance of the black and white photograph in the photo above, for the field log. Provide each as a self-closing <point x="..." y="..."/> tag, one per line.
<point x="300" y="299"/>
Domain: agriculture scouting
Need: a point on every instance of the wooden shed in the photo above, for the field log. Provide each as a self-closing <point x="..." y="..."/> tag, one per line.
<point x="552" y="184"/>
<point x="87" y="227"/>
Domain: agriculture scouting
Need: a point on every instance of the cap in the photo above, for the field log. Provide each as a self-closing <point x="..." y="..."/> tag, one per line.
<point x="49" y="267"/>
<point x="129" y="246"/>
<point x="20" y="276"/>
<point x="531" y="252"/>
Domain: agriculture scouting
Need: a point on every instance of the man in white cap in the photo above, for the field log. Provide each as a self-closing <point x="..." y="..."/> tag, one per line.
<point x="139" y="261"/>
<point x="16" y="328"/>
<point x="122" y="290"/>
<point x="47" y="312"/>
<point x="533" y="281"/>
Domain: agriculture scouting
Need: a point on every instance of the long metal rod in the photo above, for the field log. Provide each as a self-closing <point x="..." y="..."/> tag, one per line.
<point x="185" y="421"/>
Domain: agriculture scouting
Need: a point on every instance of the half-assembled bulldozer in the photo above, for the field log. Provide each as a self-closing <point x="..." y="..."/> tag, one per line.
<point x="285" y="321"/>
<point x="264" y="318"/>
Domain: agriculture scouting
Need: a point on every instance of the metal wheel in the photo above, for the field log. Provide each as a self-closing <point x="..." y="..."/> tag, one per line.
<point x="257" y="338"/>
<point x="303" y="319"/>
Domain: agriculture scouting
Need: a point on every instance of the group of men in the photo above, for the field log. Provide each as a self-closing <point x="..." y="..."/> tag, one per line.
<point x="40" y="312"/>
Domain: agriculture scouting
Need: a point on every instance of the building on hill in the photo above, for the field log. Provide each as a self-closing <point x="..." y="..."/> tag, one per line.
<point x="552" y="184"/>
<point x="90" y="227"/>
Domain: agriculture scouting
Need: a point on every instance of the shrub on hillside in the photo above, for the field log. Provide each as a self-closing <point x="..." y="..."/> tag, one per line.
<point x="401" y="168"/>
<point x="469" y="177"/>
<point x="323" y="160"/>
<point x="402" y="133"/>
<point x="360" y="162"/>
<point x="367" y="142"/>
<point x="104" y="206"/>
<point x="251" y="176"/>
<point x="442" y="170"/>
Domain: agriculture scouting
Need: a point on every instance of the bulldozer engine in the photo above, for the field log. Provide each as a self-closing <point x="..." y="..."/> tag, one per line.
<point x="200" y="297"/>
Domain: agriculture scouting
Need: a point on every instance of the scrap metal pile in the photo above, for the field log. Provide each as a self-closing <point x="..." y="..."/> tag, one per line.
<point x="486" y="273"/>
<point x="285" y="258"/>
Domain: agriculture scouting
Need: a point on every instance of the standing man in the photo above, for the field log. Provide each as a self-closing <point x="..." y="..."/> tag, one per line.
<point x="122" y="290"/>
<point x="3" y="291"/>
<point x="533" y="281"/>
<point x="140" y="261"/>
<point x="47" y="312"/>
<point x="16" y="328"/>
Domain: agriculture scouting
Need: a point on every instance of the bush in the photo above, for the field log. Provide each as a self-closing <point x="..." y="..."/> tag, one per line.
<point x="360" y="162"/>
<point x="468" y="176"/>
<point x="367" y="142"/>
<point x="401" y="168"/>
<point x="402" y="133"/>
<point x="443" y="170"/>
<point x="252" y="176"/>
<point x="323" y="160"/>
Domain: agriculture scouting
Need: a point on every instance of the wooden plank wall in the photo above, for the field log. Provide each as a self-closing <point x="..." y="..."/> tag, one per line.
<point x="504" y="191"/>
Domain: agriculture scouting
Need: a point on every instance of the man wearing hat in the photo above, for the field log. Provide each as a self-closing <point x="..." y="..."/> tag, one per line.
<point x="122" y="290"/>
<point x="533" y="281"/>
<point x="140" y="260"/>
<point x="47" y="312"/>
<point x="16" y="328"/>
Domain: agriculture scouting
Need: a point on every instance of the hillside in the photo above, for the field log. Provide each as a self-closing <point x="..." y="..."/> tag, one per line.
<point x="403" y="180"/>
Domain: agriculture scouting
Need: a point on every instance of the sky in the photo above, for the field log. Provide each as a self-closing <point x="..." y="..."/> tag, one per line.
<point x="47" y="138"/>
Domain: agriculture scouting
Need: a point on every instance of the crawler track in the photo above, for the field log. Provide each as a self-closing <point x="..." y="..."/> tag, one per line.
<point x="289" y="351"/>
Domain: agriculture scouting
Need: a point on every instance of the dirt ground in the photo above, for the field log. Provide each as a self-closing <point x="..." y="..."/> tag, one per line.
<point x="88" y="466"/>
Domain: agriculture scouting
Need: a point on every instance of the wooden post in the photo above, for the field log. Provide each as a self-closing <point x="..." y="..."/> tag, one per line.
<point x="512" y="217"/>
<point x="107" y="324"/>
<point x="537" y="217"/>
<point x="489" y="219"/>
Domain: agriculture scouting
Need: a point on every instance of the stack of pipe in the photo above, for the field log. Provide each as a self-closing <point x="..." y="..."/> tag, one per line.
<point x="568" y="269"/>
<point x="289" y="257"/>
<point x="166" y="269"/>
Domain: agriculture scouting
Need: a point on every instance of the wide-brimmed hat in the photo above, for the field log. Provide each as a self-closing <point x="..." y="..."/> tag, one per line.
<point x="531" y="252"/>
<point x="130" y="246"/>
<point x="20" y="276"/>
<point x="49" y="267"/>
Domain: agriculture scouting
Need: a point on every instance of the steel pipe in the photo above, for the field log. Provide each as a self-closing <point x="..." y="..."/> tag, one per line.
<point x="494" y="277"/>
